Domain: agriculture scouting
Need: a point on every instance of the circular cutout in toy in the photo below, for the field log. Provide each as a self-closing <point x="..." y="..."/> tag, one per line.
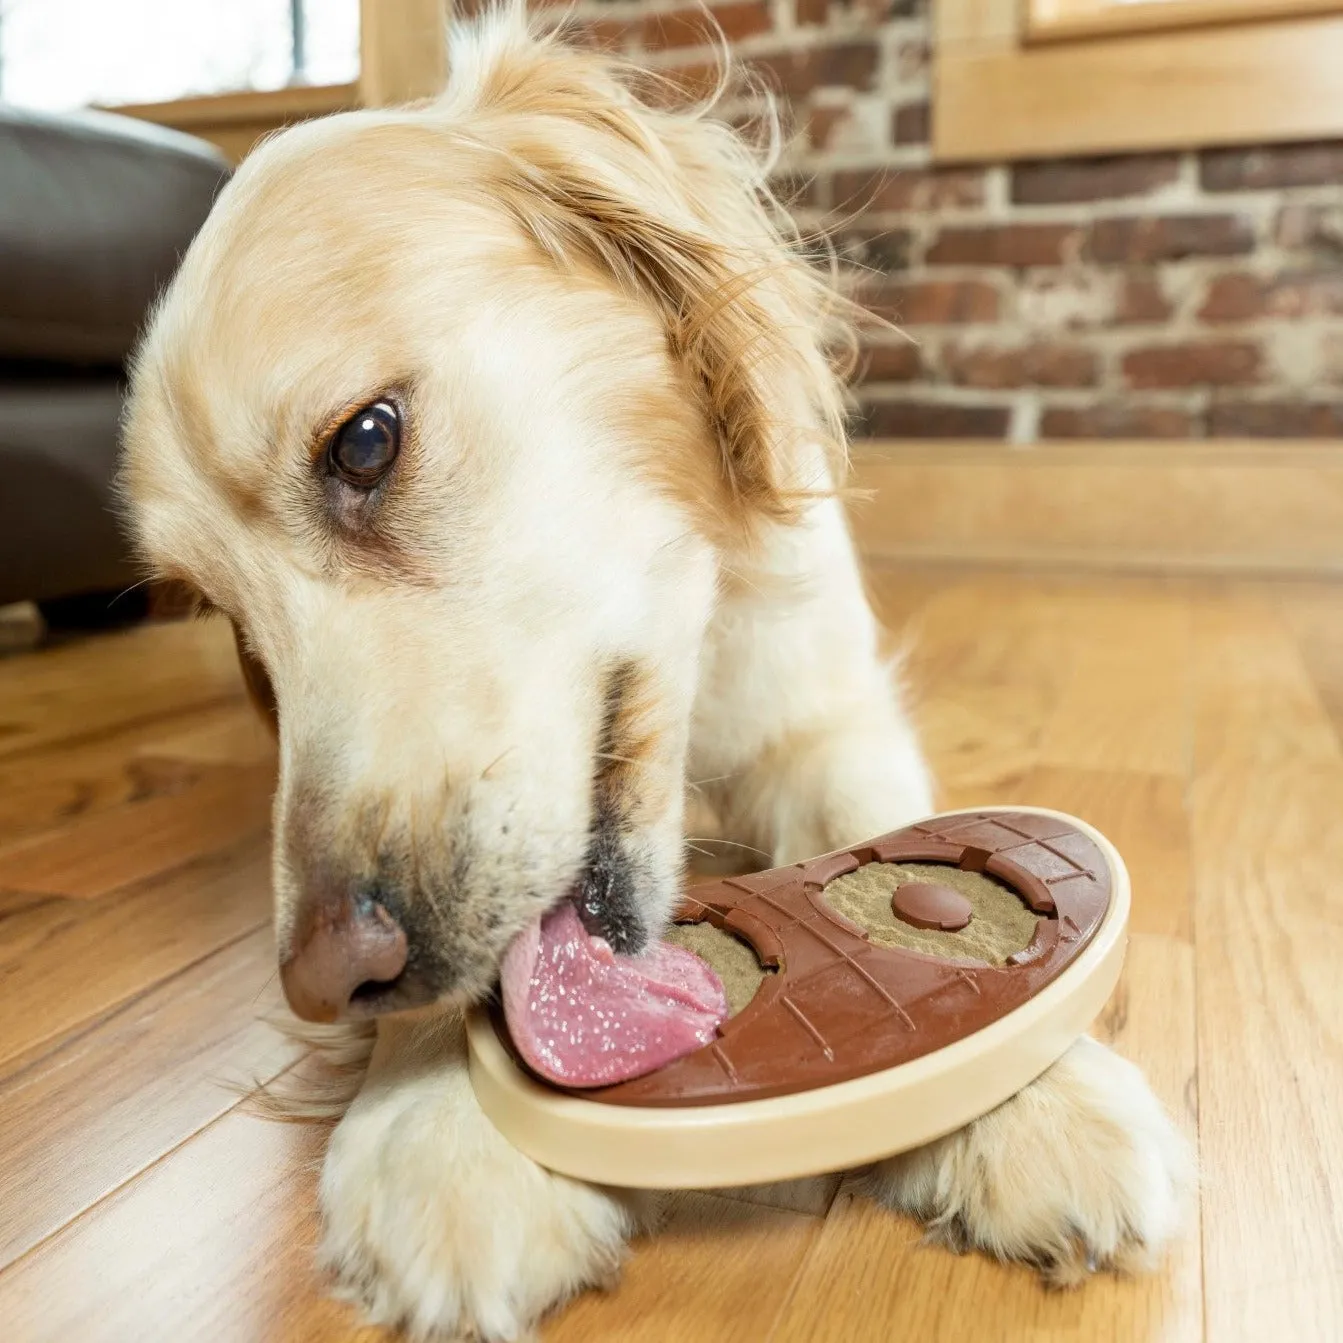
<point x="868" y="1024"/>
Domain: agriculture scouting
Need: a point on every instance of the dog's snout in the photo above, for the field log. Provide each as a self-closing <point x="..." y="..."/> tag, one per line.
<point x="350" y="951"/>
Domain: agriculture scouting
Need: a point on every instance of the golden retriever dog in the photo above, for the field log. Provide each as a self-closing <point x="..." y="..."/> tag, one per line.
<point x="505" y="430"/>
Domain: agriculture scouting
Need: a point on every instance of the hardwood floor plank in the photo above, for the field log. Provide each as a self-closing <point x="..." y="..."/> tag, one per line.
<point x="92" y="856"/>
<point x="1314" y="614"/>
<point x="44" y="791"/>
<point x="77" y="691"/>
<point x="213" y="1244"/>
<point x="1268" y="849"/>
<point x="63" y="962"/>
<point x="1126" y="697"/>
<point x="987" y="664"/>
<point x="232" y="735"/>
<point x="716" y="1271"/>
<point x="89" y="1115"/>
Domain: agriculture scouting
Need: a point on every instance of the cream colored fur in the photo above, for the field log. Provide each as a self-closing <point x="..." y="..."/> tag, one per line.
<point x="625" y="437"/>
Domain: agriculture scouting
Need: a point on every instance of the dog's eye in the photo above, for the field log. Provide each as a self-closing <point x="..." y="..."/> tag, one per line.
<point x="365" y="446"/>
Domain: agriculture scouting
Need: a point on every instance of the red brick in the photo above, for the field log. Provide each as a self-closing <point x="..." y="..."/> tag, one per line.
<point x="1276" y="419"/>
<point x="910" y="190"/>
<point x="823" y="122"/>
<point x="1271" y="167"/>
<point x="1004" y="245"/>
<point x="841" y="64"/>
<point x="1208" y="363"/>
<point x="899" y="362"/>
<point x="692" y="79"/>
<point x="605" y="34"/>
<point x="933" y="302"/>
<point x="695" y="28"/>
<point x="1235" y="297"/>
<point x="1315" y="228"/>
<point x="1040" y="363"/>
<point x="912" y="124"/>
<point x="1056" y="181"/>
<point x="1117" y="420"/>
<point x="1241" y="297"/>
<point x="932" y="419"/>
<point x="1140" y="298"/>
<point x="1170" y="238"/>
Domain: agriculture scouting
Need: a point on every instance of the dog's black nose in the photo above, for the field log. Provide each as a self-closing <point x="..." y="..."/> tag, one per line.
<point x="346" y="948"/>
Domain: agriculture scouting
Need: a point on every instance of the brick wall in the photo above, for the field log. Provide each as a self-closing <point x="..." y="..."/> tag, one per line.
<point x="1156" y="295"/>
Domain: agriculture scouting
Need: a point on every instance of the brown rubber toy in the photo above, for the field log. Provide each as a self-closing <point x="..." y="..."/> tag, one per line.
<point x="927" y="904"/>
<point x="840" y="1006"/>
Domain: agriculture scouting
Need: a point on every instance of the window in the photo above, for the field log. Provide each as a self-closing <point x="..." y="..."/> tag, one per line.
<point x="60" y="54"/>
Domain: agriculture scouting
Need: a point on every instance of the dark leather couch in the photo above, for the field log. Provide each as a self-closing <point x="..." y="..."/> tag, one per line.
<point x="95" y="212"/>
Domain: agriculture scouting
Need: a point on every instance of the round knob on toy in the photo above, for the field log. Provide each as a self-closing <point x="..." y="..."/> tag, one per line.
<point x="928" y="904"/>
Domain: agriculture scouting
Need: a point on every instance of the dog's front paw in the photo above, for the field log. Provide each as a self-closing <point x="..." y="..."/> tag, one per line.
<point x="1081" y="1170"/>
<point x="435" y="1225"/>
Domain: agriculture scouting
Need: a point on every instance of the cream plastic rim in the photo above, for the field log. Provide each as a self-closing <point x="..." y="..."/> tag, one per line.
<point x="828" y="1128"/>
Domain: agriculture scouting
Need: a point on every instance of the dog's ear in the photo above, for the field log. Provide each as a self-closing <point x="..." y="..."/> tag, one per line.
<point x="674" y="207"/>
<point x="257" y="681"/>
<point x="717" y="326"/>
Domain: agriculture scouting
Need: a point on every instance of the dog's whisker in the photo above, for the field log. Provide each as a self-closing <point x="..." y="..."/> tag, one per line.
<point x="270" y="979"/>
<point x="508" y="750"/>
<point x="726" y="843"/>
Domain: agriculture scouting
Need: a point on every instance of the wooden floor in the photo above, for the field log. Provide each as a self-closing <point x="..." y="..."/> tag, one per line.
<point x="1197" y="723"/>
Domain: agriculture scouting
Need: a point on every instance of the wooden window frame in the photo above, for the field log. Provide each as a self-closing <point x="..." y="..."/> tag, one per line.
<point x="402" y="57"/>
<point x="1064" y="20"/>
<point x="998" y="94"/>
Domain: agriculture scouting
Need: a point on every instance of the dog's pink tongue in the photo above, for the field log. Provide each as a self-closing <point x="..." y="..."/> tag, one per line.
<point x="585" y="1017"/>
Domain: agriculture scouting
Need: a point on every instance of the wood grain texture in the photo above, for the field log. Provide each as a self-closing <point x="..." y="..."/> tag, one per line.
<point x="1241" y="83"/>
<point x="95" y="855"/>
<point x="700" y="1278"/>
<point x="88" y="1116"/>
<point x="234" y="122"/>
<point x="1265" y="801"/>
<point x="148" y="758"/>
<point x="403" y="50"/>
<point x="78" y="691"/>
<point x="1067" y="20"/>
<point x="1223" y="507"/>
<point x="214" y="1242"/>
<point x="1195" y="721"/>
<point x="63" y="962"/>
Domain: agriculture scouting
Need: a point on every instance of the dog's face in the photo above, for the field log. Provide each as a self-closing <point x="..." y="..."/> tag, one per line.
<point x="414" y="422"/>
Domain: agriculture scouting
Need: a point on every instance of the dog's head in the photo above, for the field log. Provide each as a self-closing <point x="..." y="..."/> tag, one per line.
<point x="451" y="411"/>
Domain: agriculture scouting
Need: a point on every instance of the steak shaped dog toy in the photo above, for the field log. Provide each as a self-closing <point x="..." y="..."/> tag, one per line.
<point x="813" y="1017"/>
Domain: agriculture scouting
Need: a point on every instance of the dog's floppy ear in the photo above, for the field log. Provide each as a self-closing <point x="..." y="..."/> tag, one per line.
<point x="673" y="206"/>
<point x="717" y="326"/>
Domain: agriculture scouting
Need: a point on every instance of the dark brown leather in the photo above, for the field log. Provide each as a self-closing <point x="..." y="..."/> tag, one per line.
<point x="58" y="531"/>
<point x="95" y="212"/>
